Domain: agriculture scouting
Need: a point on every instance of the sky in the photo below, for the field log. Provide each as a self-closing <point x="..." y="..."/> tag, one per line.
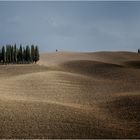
<point x="71" y="25"/>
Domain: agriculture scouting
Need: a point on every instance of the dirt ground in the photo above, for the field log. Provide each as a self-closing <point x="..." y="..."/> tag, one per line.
<point x="72" y="95"/>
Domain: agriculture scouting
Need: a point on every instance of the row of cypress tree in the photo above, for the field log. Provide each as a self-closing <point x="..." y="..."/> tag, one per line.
<point x="13" y="54"/>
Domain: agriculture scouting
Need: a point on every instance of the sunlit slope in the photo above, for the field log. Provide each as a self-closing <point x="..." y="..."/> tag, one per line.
<point x="108" y="57"/>
<point x="72" y="95"/>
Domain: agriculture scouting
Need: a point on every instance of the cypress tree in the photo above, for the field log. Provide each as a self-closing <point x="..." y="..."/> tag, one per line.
<point x="0" y="55"/>
<point x="15" y="54"/>
<point x="24" y="54"/>
<point x="7" y="54"/>
<point x="20" y="54"/>
<point x="12" y="54"/>
<point x="3" y="54"/>
<point x="32" y="53"/>
<point x="28" y="54"/>
<point x="36" y="54"/>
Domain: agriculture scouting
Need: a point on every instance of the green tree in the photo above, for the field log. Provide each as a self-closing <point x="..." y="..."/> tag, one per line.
<point x="0" y="54"/>
<point x="20" y="54"/>
<point x="32" y="53"/>
<point x="8" y="53"/>
<point x="28" y="54"/>
<point x="36" y="54"/>
<point x="12" y="54"/>
<point x="3" y="54"/>
<point x="24" y="54"/>
<point x="15" y="54"/>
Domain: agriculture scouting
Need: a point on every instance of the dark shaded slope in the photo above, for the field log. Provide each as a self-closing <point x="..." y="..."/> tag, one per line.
<point x="133" y="64"/>
<point x="95" y="69"/>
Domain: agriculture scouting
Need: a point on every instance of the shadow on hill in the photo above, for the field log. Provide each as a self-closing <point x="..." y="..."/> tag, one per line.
<point x="133" y="64"/>
<point x="94" y="69"/>
<point x="126" y="108"/>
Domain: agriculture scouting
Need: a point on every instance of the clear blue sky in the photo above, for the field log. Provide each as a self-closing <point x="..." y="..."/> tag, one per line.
<point x="72" y="26"/>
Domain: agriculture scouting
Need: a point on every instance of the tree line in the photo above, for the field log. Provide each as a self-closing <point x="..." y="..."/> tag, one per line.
<point x="13" y="54"/>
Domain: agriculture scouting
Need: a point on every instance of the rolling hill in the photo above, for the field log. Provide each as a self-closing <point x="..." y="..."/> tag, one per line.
<point x="72" y="95"/>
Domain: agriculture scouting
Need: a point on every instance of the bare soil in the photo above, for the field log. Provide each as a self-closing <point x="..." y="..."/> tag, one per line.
<point x="72" y="95"/>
